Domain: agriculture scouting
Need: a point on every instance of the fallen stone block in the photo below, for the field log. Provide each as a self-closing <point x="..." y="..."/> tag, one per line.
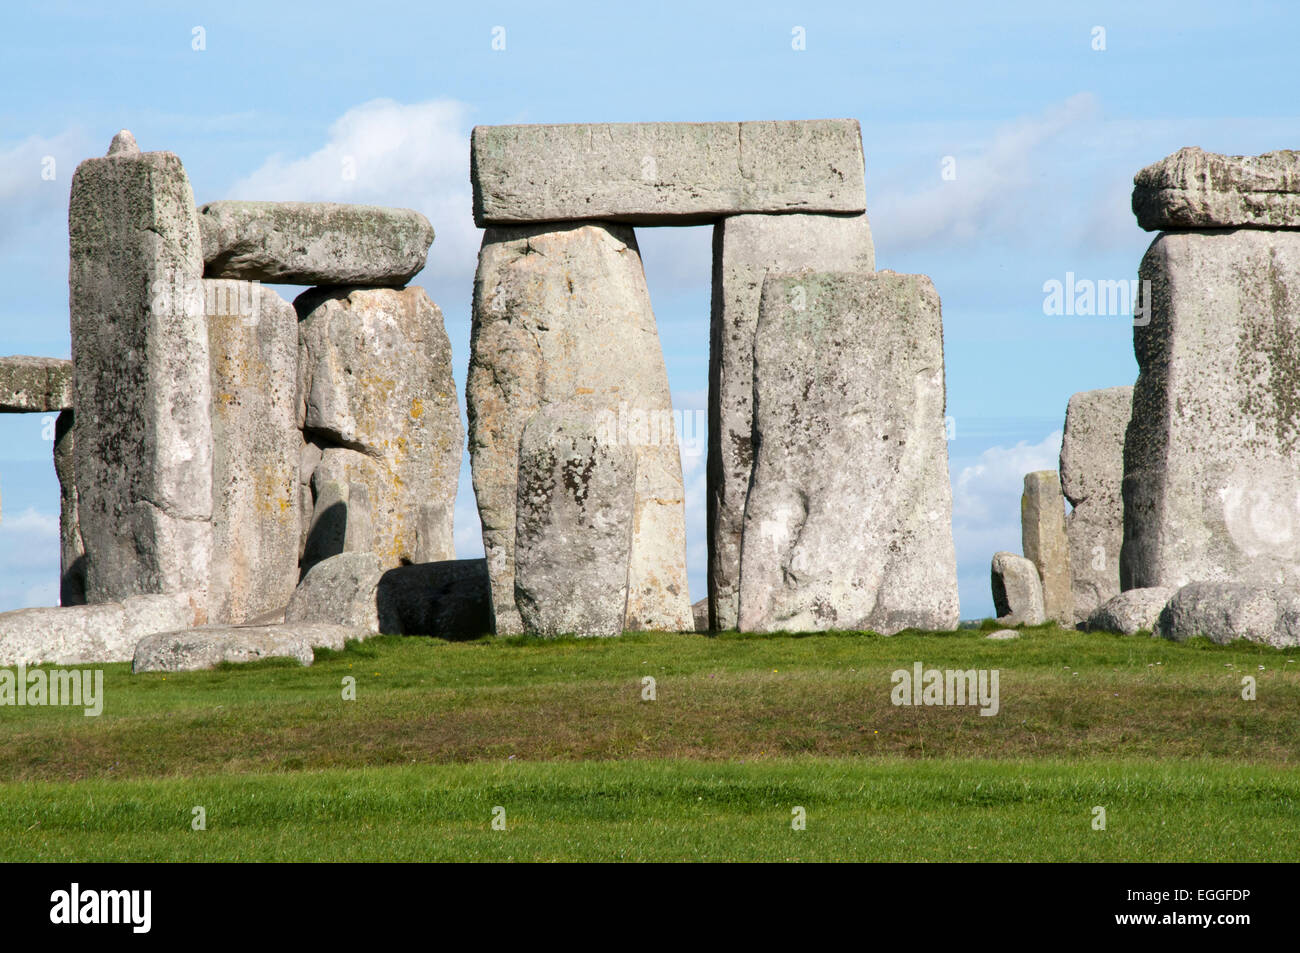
<point x="450" y="599"/>
<point x="35" y="384"/>
<point x="1197" y="189"/>
<point x="1043" y="538"/>
<point x="342" y="590"/>
<point x="313" y="243"/>
<point x="1224" y="611"/>
<point x="1017" y="591"/>
<point x="208" y="646"/>
<point x="73" y="635"/>
<point x="848" y="522"/>
<point x="1003" y="635"/>
<point x="1130" y="612"/>
<point x="661" y="173"/>
<point x="745" y="249"/>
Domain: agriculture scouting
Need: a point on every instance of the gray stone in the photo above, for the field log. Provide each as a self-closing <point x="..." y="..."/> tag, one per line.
<point x="35" y="384"/>
<point x="1042" y="535"/>
<point x="376" y="393"/>
<point x="700" y="611"/>
<point x="848" y="522"/>
<point x="1197" y="189"/>
<point x="1092" y="475"/>
<point x="123" y="144"/>
<point x="313" y="243"/>
<point x="1130" y="612"/>
<point x="72" y="552"/>
<point x="450" y="600"/>
<point x="143" y="429"/>
<point x="73" y="635"/>
<point x="660" y="173"/>
<point x="1003" y="635"/>
<point x="1017" y="590"/>
<point x="209" y="646"/>
<point x="1212" y="451"/>
<point x="745" y="248"/>
<point x="340" y="515"/>
<point x="563" y="313"/>
<point x="253" y="347"/>
<point x="342" y="590"/>
<point x="574" y="515"/>
<point x="1223" y="612"/>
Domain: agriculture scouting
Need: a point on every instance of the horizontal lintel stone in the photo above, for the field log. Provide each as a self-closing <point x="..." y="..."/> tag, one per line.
<point x="35" y="384"/>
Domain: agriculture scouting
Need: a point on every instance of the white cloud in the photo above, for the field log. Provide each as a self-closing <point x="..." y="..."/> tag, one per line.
<point x="30" y="199"/>
<point x="986" y="497"/>
<point x="30" y="522"/>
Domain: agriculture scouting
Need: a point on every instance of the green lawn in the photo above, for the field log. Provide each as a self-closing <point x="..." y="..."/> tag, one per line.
<point x="743" y="730"/>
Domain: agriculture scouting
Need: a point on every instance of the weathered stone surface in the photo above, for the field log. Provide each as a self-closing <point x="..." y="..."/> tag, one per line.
<point x="700" y="612"/>
<point x="660" y="173"/>
<point x="1197" y="189"/>
<point x="1224" y="611"/>
<point x="574" y="516"/>
<point x="1212" y="451"/>
<point x="143" y="447"/>
<point x="123" y="144"/>
<point x="1092" y="474"/>
<point x="72" y="553"/>
<point x="1003" y="635"/>
<point x="450" y="600"/>
<point x="313" y="243"/>
<point x="745" y="248"/>
<point x="35" y="384"/>
<point x="1130" y="612"/>
<point x="848" y="523"/>
<point x="107" y="632"/>
<point x="341" y="521"/>
<point x="342" y="590"/>
<point x="1042" y="535"/>
<point x="562" y="313"/>
<point x="1017" y="590"/>
<point x="376" y="393"/>
<point x="208" y="646"/>
<point x="253" y="348"/>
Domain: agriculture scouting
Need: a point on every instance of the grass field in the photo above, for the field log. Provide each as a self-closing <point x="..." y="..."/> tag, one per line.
<point x="742" y="730"/>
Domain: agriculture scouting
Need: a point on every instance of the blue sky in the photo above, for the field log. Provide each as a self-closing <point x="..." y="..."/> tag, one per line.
<point x="1044" y="132"/>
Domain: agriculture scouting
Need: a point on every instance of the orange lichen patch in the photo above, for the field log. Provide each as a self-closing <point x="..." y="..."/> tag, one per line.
<point x="417" y="408"/>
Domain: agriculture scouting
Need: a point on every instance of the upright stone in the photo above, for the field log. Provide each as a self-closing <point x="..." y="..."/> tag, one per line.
<point x="1017" y="590"/>
<point x="573" y="517"/>
<point x="143" y="429"/>
<point x="72" y="552"/>
<point x="848" y="522"/>
<point x="253" y="344"/>
<point x="376" y="394"/>
<point x="745" y="248"/>
<point x="1092" y="473"/>
<point x="1042" y="535"/>
<point x="562" y="312"/>
<point x="1212" y="451"/>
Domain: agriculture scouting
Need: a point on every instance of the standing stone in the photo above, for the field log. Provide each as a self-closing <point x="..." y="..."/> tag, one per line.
<point x="1017" y="590"/>
<point x="72" y="552"/>
<point x="1212" y="452"/>
<point x="1197" y="189"/>
<point x="143" y="430"/>
<point x="1092" y="474"/>
<point x="253" y="347"/>
<point x="1042" y="534"/>
<point x="848" y="523"/>
<point x="376" y="394"/>
<point x="562" y="312"/>
<point x="574" y="516"/>
<point x="745" y="248"/>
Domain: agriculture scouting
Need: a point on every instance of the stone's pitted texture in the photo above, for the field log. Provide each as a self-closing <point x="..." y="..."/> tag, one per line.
<point x="341" y="590"/>
<point x="35" y="384"/>
<point x="562" y="313"/>
<point x="72" y="553"/>
<point x="1225" y="611"/>
<point x="208" y="646"/>
<point x="256" y="524"/>
<point x="449" y="600"/>
<point x="661" y="173"/>
<point x="123" y="144"/>
<point x="1092" y="474"/>
<point x="340" y="513"/>
<point x="745" y="248"/>
<point x="313" y="243"/>
<point x="1003" y="635"/>
<point x="700" y="610"/>
<point x="574" y="516"/>
<point x="1042" y="535"/>
<point x="848" y="522"/>
<point x="1017" y="590"/>
<point x="1212" y="451"/>
<point x="1130" y="612"/>
<point x="143" y="448"/>
<point x="1197" y="189"/>
<point x="73" y="635"/>
<point x="376" y="392"/>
